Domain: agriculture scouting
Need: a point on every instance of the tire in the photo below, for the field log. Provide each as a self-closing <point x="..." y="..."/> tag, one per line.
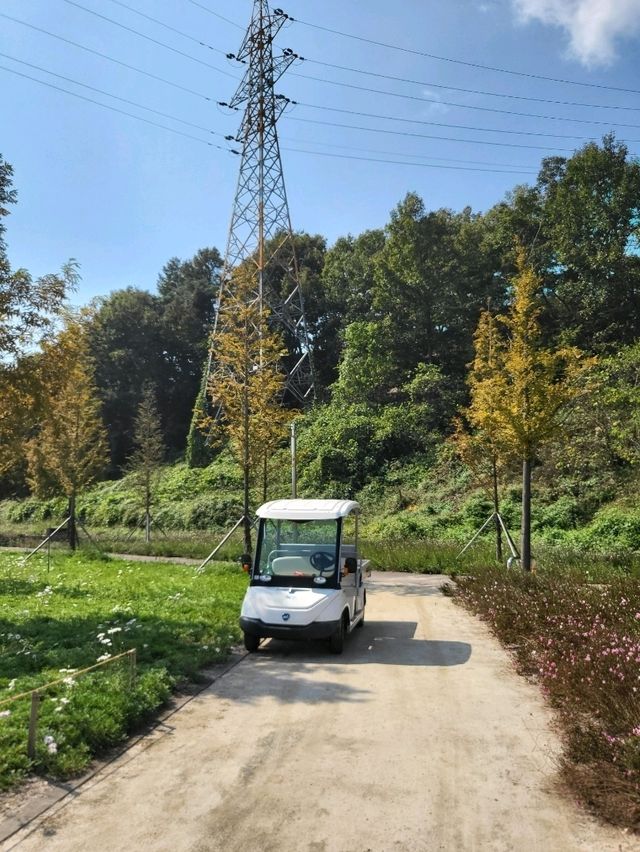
<point x="251" y="642"/>
<point x="336" y="642"/>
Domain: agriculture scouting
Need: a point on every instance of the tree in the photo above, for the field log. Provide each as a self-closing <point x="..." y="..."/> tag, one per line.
<point x="480" y="448"/>
<point x="144" y="463"/>
<point x="125" y="335"/>
<point x="593" y="213"/>
<point x="521" y="398"/>
<point x="28" y="307"/>
<point x="246" y="386"/>
<point x="69" y="449"/>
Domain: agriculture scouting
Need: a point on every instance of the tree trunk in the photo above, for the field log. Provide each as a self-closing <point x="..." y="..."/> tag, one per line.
<point x="525" y="544"/>
<point x="265" y="477"/>
<point x="71" y="526"/>
<point x="147" y="513"/>
<point x="496" y="509"/>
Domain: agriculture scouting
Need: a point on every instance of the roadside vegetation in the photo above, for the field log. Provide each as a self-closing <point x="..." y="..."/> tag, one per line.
<point x="580" y="641"/>
<point x="85" y="609"/>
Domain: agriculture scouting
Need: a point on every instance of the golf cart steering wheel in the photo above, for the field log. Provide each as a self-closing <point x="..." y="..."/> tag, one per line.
<point x="321" y="561"/>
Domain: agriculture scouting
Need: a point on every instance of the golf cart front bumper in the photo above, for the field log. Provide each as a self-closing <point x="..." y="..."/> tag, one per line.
<point x="263" y="630"/>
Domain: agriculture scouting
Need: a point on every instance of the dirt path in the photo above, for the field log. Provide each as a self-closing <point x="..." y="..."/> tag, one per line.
<point x="420" y="737"/>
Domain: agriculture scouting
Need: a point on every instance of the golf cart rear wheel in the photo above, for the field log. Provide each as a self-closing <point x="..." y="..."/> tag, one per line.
<point x="251" y="642"/>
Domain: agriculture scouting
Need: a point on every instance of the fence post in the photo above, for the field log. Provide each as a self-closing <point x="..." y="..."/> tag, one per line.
<point x="33" y="725"/>
<point x="132" y="667"/>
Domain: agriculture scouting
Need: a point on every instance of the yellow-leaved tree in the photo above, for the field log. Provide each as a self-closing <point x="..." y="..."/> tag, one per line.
<point x="519" y="396"/>
<point x="480" y="447"/>
<point x="69" y="447"/>
<point x="246" y="386"/>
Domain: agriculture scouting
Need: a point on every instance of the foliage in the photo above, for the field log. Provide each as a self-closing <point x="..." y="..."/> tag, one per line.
<point x="342" y="447"/>
<point x="69" y="448"/>
<point x="519" y="387"/>
<point x="86" y="608"/>
<point x="519" y="393"/>
<point x="148" y="454"/>
<point x="582" y="643"/>
<point x="246" y="384"/>
<point x="26" y="306"/>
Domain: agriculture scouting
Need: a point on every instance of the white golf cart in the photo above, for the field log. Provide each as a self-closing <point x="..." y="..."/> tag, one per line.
<point x="307" y="580"/>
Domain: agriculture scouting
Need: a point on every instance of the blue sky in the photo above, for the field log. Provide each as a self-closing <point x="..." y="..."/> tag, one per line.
<point x="122" y="196"/>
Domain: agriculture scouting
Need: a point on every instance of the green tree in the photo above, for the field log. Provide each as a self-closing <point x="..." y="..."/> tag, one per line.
<point x="594" y="216"/>
<point x="127" y="344"/>
<point x="69" y="448"/>
<point x="148" y="454"/>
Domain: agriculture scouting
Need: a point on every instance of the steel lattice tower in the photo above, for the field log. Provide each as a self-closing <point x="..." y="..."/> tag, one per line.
<point x="260" y="233"/>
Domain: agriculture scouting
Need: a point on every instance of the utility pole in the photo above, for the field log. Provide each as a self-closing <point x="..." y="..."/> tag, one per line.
<point x="260" y="234"/>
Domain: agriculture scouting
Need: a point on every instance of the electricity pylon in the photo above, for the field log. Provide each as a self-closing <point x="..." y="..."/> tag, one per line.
<point x="260" y="235"/>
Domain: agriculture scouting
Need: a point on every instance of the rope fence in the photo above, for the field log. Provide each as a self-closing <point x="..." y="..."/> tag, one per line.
<point x="36" y="694"/>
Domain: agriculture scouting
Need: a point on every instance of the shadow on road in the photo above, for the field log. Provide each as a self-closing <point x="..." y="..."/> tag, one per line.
<point x="382" y="642"/>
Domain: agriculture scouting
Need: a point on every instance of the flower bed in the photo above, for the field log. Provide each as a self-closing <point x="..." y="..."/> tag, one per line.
<point x="581" y="642"/>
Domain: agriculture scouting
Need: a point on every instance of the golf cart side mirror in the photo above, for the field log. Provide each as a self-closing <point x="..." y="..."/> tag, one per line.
<point x="351" y="565"/>
<point x="245" y="560"/>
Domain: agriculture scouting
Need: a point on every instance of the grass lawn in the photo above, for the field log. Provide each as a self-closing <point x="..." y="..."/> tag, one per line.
<point x="52" y="624"/>
<point x="581" y="642"/>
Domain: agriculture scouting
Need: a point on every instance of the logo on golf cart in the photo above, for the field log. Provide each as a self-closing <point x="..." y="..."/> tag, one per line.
<point x="285" y="616"/>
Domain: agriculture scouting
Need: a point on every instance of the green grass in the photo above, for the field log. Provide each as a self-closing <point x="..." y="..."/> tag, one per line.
<point x="85" y="607"/>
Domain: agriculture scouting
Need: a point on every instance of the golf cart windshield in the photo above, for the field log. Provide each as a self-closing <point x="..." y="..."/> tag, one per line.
<point x="297" y="553"/>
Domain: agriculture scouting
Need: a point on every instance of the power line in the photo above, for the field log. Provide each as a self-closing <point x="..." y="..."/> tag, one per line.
<point x="424" y="100"/>
<point x="116" y="97"/>
<point x="426" y="136"/>
<point x="441" y="85"/>
<point x="483" y="92"/>
<point x="216" y="14"/>
<point x="169" y="27"/>
<point x="149" y="38"/>
<point x="303" y="104"/>
<point x="116" y="109"/>
<point x="402" y="163"/>
<point x="227" y="150"/>
<point x="398" y="119"/>
<point x="466" y="63"/>
<point x="515" y="166"/>
<point x="444" y="124"/>
<point x="107" y="57"/>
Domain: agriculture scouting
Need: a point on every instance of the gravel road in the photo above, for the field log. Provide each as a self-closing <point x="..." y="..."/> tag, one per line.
<point x="420" y="737"/>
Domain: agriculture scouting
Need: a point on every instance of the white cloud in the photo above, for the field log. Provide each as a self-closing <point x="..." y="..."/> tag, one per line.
<point x="432" y="104"/>
<point x="593" y="26"/>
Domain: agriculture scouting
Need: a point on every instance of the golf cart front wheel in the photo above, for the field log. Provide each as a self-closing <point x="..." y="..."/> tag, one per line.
<point x="251" y="642"/>
<point x="336" y="641"/>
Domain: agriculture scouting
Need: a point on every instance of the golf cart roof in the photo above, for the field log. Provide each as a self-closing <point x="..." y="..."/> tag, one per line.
<point x="306" y="510"/>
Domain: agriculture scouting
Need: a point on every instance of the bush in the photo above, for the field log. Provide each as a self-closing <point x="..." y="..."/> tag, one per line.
<point x="612" y="528"/>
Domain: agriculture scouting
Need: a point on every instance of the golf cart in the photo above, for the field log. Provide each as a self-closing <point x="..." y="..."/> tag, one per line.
<point x="307" y="579"/>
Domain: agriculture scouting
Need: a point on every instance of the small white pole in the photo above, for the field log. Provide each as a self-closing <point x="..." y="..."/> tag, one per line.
<point x="294" y="461"/>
